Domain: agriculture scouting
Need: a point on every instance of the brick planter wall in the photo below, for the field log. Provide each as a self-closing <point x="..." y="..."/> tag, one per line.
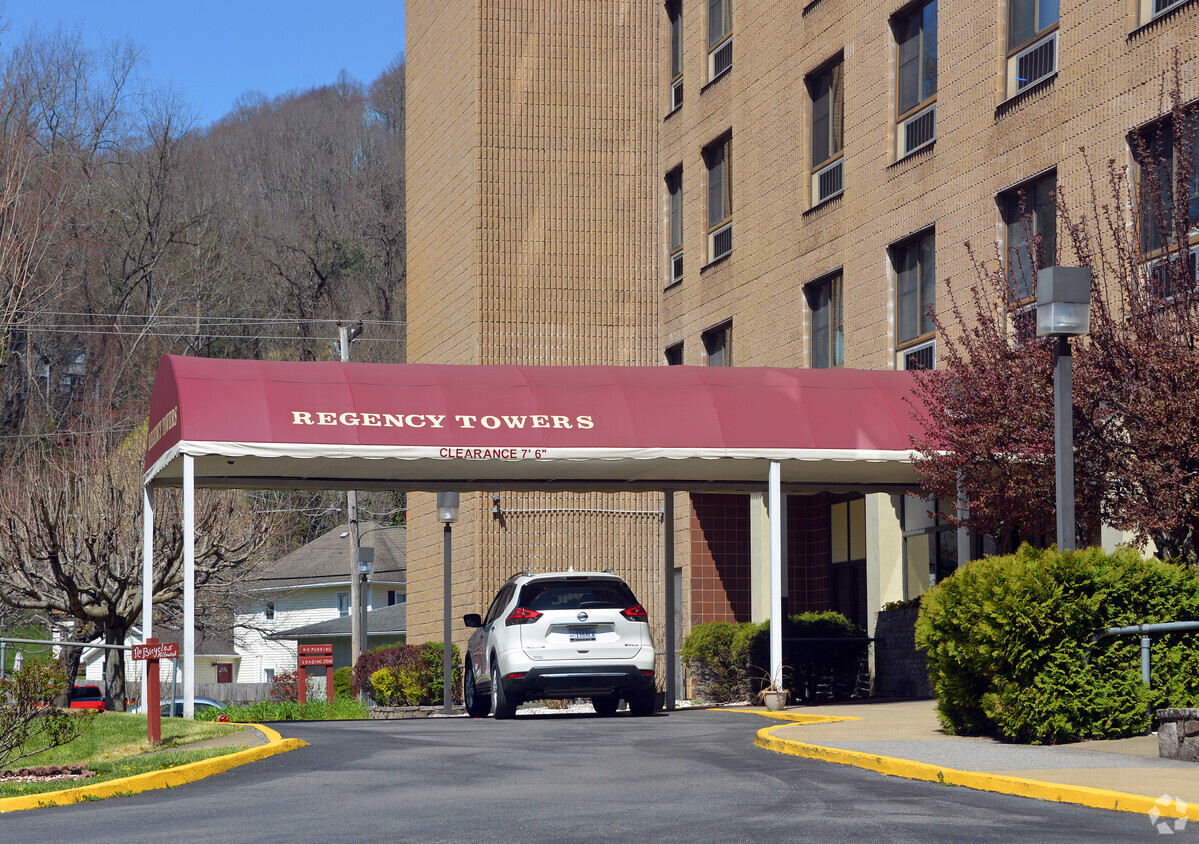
<point x="899" y="669"/>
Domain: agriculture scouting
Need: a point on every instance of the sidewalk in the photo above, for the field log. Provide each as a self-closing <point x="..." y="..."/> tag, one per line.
<point x="905" y="739"/>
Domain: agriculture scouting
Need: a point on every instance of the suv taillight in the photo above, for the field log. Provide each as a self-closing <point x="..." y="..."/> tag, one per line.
<point x="636" y="613"/>
<point x="520" y="615"/>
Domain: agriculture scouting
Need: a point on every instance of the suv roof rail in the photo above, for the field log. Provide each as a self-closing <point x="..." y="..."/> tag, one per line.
<point x="522" y="573"/>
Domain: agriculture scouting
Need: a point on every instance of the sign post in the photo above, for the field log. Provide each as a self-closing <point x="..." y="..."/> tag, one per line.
<point x="312" y="656"/>
<point x="151" y="652"/>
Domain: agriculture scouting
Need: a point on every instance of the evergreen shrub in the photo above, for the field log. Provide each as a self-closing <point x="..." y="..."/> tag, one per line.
<point x="730" y="661"/>
<point x="1007" y="639"/>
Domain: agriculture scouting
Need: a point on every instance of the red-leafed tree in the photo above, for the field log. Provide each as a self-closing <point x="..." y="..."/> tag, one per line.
<point x="1136" y="375"/>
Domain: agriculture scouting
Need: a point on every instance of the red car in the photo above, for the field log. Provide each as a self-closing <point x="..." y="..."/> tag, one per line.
<point x="87" y="697"/>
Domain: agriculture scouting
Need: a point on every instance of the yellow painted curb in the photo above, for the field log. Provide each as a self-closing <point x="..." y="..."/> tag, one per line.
<point x="1082" y="795"/>
<point x="793" y="717"/>
<point x="168" y="778"/>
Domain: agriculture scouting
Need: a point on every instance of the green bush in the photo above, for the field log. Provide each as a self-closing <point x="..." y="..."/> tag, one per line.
<point x="343" y="680"/>
<point x="718" y="669"/>
<point x="1007" y="639"/>
<point x="407" y="675"/>
<point x="730" y="662"/>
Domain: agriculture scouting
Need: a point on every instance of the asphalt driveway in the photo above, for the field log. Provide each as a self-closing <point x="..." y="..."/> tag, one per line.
<point x="681" y="776"/>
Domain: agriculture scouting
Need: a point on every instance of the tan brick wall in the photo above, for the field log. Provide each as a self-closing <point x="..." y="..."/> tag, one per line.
<point x="532" y="225"/>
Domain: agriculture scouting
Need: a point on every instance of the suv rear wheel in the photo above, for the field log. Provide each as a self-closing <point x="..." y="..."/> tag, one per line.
<point x="501" y="705"/>
<point x="477" y="706"/>
<point x="641" y="703"/>
<point x="606" y="704"/>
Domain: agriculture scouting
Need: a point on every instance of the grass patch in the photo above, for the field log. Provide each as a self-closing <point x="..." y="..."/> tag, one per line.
<point x="118" y="769"/>
<point x="343" y="709"/>
<point x="113" y="736"/>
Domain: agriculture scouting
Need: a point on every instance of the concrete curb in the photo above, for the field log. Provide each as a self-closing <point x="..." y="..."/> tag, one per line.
<point x="1082" y="795"/>
<point x="168" y="778"/>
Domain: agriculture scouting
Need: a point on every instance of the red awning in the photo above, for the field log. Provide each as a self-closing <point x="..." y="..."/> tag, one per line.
<point x="279" y="424"/>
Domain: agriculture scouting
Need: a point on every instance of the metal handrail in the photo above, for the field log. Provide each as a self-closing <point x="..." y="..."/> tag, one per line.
<point x="1145" y="631"/>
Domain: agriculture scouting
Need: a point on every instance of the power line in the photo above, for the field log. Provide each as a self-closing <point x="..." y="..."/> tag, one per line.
<point x="189" y="331"/>
<point x="216" y="319"/>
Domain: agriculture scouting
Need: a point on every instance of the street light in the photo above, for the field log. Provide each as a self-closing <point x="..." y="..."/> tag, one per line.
<point x="447" y="513"/>
<point x="1064" y="311"/>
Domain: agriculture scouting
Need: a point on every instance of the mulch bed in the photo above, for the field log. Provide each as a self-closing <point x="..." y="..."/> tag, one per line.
<point x="47" y="773"/>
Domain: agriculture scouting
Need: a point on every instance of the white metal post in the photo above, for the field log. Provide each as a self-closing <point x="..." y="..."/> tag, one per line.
<point x="670" y="609"/>
<point x="189" y="586"/>
<point x="776" y="574"/>
<point x="147" y="577"/>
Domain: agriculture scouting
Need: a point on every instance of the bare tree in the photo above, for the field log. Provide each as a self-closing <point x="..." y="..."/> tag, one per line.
<point x="70" y="542"/>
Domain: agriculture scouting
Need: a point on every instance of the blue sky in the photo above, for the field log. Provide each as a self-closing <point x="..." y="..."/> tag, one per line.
<point x="214" y="51"/>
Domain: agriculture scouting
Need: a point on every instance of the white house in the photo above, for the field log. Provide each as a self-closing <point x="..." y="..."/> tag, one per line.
<point x="304" y="588"/>
<point x="308" y="586"/>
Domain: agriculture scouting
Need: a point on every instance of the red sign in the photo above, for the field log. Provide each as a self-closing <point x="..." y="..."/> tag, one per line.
<point x="165" y="650"/>
<point x="317" y="659"/>
<point x="315" y="649"/>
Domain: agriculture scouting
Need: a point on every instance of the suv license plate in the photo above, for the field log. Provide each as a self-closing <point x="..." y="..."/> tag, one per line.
<point x="582" y="634"/>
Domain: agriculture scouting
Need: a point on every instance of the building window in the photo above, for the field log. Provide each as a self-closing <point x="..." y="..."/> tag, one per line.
<point x="915" y="266"/>
<point x="720" y="37"/>
<point x="343" y="604"/>
<point x="1161" y="161"/>
<point x="1030" y="232"/>
<point x="718" y="345"/>
<point x="1150" y="9"/>
<point x="1032" y="43"/>
<point x="674" y="355"/>
<point x="268" y="675"/>
<point x="268" y="611"/>
<point x="930" y="543"/>
<point x="828" y="331"/>
<point x="826" y="88"/>
<point x="916" y="83"/>
<point x="674" y="13"/>
<point x="718" y="158"/>
<point x="674" y="185"/>
<point x="847" y="543"/>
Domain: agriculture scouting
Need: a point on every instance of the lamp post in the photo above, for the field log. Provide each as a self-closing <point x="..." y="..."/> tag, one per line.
<point x="1064" y="311"/>
<point x="447" y="513"/>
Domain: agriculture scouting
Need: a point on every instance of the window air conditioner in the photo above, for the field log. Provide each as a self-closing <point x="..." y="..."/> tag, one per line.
<point x="720" y="59"/>
<point x="918" y="130"/>
<point x="720" y="243"/>
<point x="923" y="356"/>
<point x="828" y="182"/>
<point x="1036" y="63"/>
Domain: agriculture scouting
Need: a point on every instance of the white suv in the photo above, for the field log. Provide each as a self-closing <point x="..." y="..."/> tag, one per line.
<point x="566" y="635"/>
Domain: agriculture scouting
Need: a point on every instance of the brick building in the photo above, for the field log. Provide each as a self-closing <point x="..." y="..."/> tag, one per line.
<point x="736" y="182"/>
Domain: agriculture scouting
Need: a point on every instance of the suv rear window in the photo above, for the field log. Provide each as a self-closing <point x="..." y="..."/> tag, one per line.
<point x="86" y="693"/>
<point x="545" y="595"/>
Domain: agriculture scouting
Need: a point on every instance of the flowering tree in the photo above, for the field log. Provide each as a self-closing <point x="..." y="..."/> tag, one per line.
<point x="989" y="411"/>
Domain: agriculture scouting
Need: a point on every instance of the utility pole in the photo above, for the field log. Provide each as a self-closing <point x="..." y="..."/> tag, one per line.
<point x="357" y="595"/>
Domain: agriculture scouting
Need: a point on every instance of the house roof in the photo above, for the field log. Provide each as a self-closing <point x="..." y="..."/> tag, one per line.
<point x="326" y="560"/>
<point x="393" y="619"/>
<point x="331" y="425"/>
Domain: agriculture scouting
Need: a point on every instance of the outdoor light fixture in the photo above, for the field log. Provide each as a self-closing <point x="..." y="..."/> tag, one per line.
<point x="1063" y="311"/>
<point x="495" y="505"/>
<point x="447" y="507"/>
<point x="364" y="559"/>
<point x="1063" y="302"/>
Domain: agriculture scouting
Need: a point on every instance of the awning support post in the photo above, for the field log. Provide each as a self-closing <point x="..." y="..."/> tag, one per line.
<point x="670" y="608"/>
<point x="189" y="586"/>
<point x="776" y="574"/>
<point x="147" y="582"/>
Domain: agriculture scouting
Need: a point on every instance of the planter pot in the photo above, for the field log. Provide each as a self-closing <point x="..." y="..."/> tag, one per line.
<point x="774" y="700"/>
